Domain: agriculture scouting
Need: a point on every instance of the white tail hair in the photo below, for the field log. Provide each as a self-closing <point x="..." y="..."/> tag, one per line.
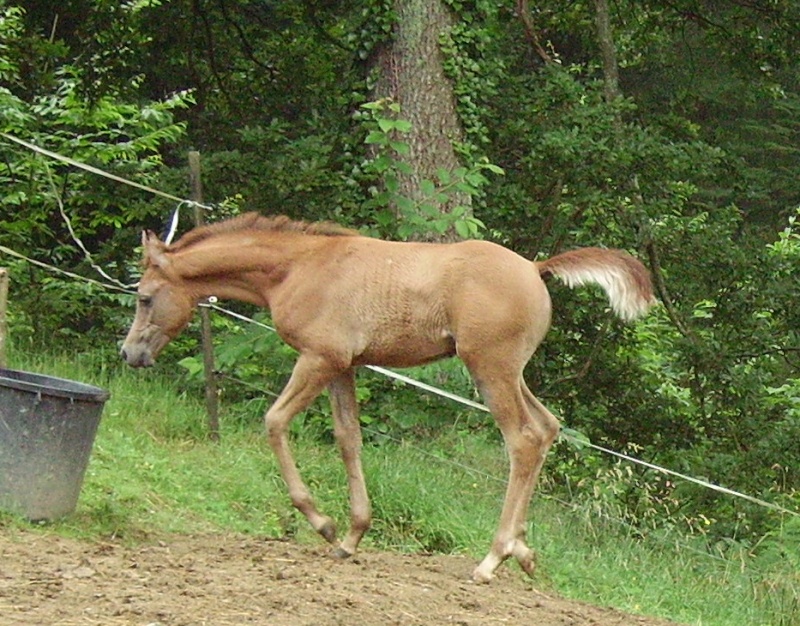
<point x="625" y="280"/>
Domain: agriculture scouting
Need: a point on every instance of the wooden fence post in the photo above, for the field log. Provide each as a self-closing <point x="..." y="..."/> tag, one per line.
<point x="212" y="400"/>
<point x="3" y="316"/>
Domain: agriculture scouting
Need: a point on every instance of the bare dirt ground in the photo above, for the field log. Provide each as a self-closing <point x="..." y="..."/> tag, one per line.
<point x="223" y="580"/>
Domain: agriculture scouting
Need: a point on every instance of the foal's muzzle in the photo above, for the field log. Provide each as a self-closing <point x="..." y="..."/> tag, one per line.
<point x="137" y="358"/>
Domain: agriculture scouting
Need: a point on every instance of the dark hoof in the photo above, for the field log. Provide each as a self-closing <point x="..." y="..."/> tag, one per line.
<point x="528" y="563"/>
<point x="340" y="554"/>
<point x="328" y="531"/>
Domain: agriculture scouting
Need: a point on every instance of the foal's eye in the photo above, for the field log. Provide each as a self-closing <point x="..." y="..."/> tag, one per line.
<point x="145" y="300"/>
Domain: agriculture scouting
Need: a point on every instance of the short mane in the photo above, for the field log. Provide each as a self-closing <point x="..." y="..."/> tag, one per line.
<point x="254" y="221"/>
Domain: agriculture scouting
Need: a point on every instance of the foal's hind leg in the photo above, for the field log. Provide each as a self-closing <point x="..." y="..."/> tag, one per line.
<point x="529" y="430"/>
<point x="347" y="431"/>
<point x="310" y="376"/>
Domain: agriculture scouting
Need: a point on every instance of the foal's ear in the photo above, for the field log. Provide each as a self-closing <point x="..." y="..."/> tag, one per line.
<point x="153" y="249"/>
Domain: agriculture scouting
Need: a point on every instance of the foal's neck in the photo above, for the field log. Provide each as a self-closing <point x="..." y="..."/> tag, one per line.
<point x="241" y="266"/>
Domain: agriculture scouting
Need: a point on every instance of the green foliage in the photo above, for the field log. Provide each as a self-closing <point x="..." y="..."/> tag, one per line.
<point x="375" y="27"/>
<point x="703" y="402"/>
<point x="787" y="247"/>
<point x="118" y="136"/>
<point x="475" y="71"/>
<point x="403" y="217"/>
<point x="583" y="175"/>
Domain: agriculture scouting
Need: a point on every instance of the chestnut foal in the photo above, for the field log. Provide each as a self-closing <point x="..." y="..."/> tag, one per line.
<point x="343" y="300"/>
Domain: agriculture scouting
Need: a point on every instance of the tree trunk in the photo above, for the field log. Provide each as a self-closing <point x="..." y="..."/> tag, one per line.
<point x="608" y="51"/>
<point x="412" y="74"/>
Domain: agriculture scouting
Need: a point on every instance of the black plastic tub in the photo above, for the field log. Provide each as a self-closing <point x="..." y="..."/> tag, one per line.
<point x="47" y="429"/>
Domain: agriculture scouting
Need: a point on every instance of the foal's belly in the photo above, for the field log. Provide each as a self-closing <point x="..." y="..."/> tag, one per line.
<point x="406" y="349"/>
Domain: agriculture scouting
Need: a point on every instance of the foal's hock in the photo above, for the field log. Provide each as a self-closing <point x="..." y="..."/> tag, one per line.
<point x="343" y="300"/>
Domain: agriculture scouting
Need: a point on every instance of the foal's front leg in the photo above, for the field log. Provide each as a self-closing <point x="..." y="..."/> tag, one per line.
<point x="310" y="376"/>
<point x="347" y="431"/>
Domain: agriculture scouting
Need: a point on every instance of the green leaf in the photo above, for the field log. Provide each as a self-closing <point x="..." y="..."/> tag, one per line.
<point x="440" y="226"/>
<point x="381" y="164"/>
<point x="430" y="210"/>
<point x="192" y="365"/>
<point x="404" y="231"/>
<point x="405" y="204"/>
<point x="384" y="217"/>
<point x="376" y="137"/>
<point x="476" y="179"/>
<point x="494" y="169"/>
<point x="386" y="125"/>
<point x="404" y="168"/>
<point x="401" y="147"/>
<point x="574" y="437"/>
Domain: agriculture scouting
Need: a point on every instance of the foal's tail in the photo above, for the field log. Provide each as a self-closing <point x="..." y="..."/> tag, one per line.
<point x="625" y="280"/>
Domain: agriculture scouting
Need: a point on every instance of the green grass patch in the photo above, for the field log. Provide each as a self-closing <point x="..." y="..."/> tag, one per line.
<point x="153" y="471"/>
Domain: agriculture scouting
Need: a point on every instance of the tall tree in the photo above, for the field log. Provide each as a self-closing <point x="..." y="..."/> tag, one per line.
<point x="412" y="72"/>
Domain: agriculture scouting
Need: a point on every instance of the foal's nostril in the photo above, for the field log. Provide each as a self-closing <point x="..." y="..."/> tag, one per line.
<point x="123" y="354"/>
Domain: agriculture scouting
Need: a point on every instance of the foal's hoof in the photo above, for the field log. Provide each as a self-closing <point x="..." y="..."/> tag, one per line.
<point x="340" y="554"/>
<point x="526" y="560"/>
<point x="481" y="577"/>
<point x="328" y="531"/>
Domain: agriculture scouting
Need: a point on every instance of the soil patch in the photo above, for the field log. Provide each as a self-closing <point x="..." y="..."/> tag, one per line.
<point x="226" y="580"/>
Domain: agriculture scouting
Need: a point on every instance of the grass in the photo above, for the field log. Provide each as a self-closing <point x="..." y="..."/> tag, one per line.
<point x="152" y="472"/>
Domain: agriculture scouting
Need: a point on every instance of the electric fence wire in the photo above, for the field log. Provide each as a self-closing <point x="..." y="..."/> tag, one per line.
<point x="386" y="372"/>
<point x="181" y="202"/>
<point x="96" y="170"/>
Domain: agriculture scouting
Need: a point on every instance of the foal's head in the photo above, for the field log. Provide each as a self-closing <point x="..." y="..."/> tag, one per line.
<point x="163" y="308"/>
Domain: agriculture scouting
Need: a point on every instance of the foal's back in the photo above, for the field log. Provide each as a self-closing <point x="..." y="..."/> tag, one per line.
<point x="401" y="304"/>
